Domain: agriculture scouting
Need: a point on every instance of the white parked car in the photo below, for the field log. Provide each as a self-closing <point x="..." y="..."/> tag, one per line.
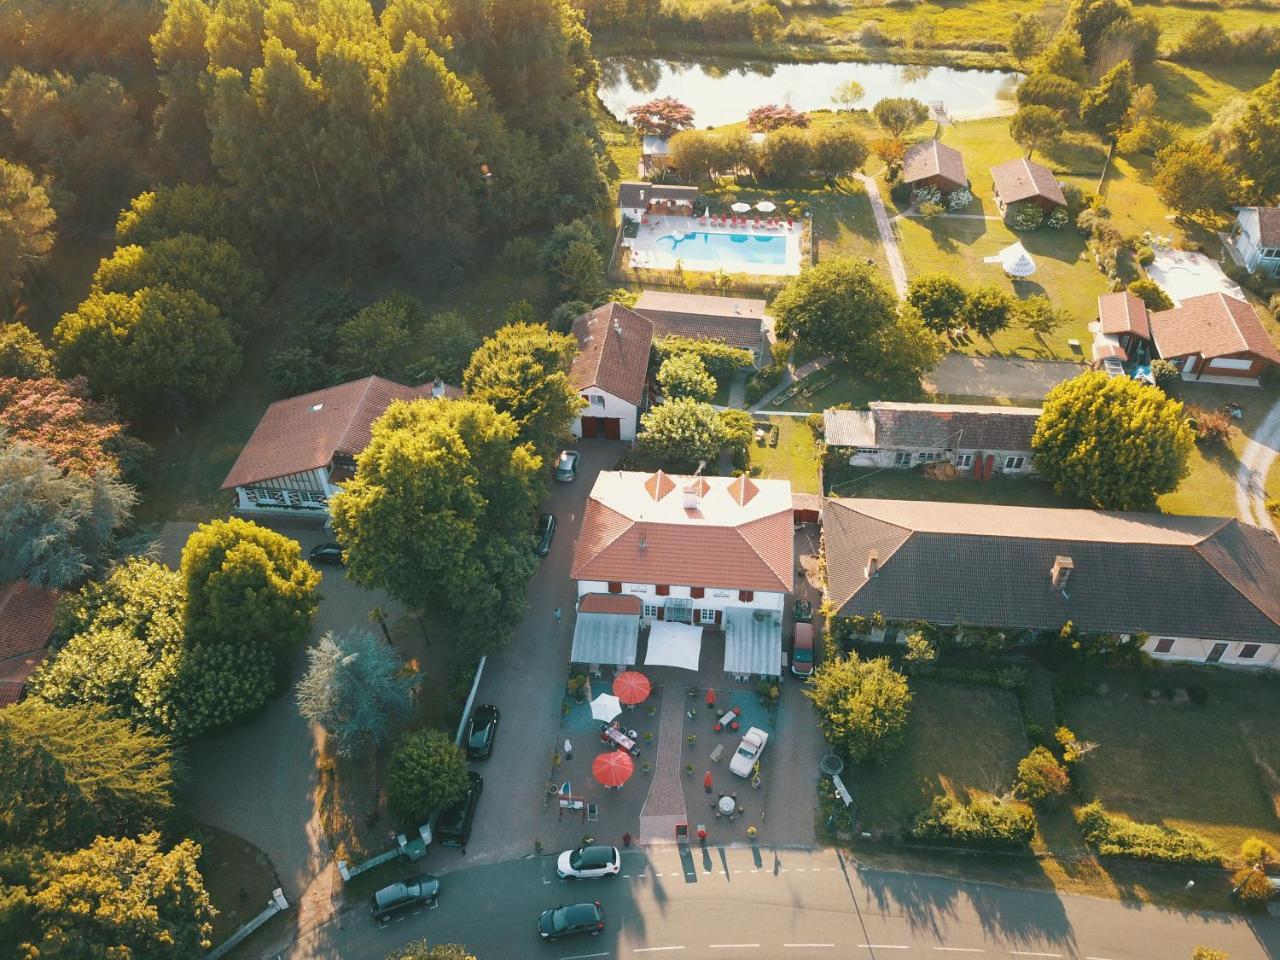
<point x="749" y="751"/>
<point x="587" y="863"/>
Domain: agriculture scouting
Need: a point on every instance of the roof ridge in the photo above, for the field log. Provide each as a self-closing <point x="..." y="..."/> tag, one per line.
<point x="611" y="540"/>
<point x="1229" y="521"/>
<point x="355" y="410"/>
<point x="740" y="528"/>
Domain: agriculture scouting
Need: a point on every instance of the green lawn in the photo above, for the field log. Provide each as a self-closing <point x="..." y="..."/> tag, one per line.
<point x="843" y="480"/>
<point x="961" y="740"/>
<point x="1200" y="768"/>
<point x="795" y="458"/>
<point x="237" y="876"/>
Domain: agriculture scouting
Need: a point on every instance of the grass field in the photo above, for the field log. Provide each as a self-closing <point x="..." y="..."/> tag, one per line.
<point x="795" y="458"/>
<point x="1210" y="769"/>
<point x="961" y="740"/>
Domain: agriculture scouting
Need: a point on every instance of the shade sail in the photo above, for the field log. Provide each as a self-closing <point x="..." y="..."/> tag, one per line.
<point x="674" y="645"/>
<point x="605" y="707"/>
<point x="753" y="641"/>
<point x="605" y="638"/>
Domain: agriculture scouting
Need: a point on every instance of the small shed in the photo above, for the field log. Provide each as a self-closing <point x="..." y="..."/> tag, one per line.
<point x="934" y="164"/>
<point x="1023" y="180"/>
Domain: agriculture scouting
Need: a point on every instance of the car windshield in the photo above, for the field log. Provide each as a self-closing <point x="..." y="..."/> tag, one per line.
<point x="588" y="858"/>
<point x="746" y="750"/>
<point x="803" y="655"/>
<point x="392" y="894"/>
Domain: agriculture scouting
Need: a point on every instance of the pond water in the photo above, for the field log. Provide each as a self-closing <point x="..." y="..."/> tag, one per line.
<point x="722" y="93"/>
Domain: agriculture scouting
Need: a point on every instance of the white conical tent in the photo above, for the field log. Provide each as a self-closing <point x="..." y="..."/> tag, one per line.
<point x="1014" y="260"/>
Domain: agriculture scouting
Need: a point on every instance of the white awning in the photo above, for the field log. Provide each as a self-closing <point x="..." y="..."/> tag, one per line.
<point x="674" y="645"/>
<point x="753" y="642"/>
<point x="605" y="638"/>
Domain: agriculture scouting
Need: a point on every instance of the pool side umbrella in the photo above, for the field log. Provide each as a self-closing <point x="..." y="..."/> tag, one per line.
<point x="605" y="707"/>
<point x="766" y="206"/>
<point x="1014" y="260"/>
<point x="740" y="207"/>
<point x="631" y="687"/>
<point x="614" y="768"/>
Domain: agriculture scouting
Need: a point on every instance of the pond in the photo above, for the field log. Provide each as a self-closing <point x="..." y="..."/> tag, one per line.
<point x="723" y="92"/>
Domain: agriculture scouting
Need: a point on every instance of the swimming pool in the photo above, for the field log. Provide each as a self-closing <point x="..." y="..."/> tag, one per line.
<point x="726" y="249"/>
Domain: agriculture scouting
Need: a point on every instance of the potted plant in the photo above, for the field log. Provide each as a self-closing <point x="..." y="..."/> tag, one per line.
<point x="588" y="840"/>
<point x="648" y="736"/>
<point x="751" y="833"/>
<point x="688" y="769"/>
<point x="691" y="739"/>
<point x="652" y="710"/>
<point x="537" y="845"/>
<point x="702" y="835"/>
<point x="646" y="766"/>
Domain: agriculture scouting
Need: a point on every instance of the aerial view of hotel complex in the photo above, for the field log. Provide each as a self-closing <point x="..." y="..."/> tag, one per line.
<point x="591" y="479"/>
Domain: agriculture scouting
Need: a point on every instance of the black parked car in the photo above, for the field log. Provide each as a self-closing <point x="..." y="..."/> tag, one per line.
<point x="405" y="895"/>
<point x="572" y="918"/>
<point x="481" y="729"/>
<point x="454" y="826"/>
<point x="330" y="553"/>
<point x="545" y="531"/>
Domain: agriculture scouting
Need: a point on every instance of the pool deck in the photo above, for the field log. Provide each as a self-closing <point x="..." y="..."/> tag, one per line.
<point x="646" y="252"/>
<point x="1183" y="274"/>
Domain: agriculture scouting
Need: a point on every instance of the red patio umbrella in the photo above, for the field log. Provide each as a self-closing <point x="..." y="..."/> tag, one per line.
<point x="614" y="768"/>
<point x="631" y="687"/>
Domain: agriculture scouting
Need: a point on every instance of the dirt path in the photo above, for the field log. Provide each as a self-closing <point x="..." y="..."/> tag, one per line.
<point x="892" y="255"/>
<point x="1259" y="455"/>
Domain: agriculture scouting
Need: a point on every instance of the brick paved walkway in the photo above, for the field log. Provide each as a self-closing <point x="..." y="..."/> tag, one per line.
<point x="664" y="807"/>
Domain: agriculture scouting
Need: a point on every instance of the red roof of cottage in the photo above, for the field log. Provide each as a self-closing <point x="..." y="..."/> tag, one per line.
<point x="1124" y="313"/>
<point x="613" y="351"/>
<point x="1212" y="325"/>
<point x="304" y="433"/>
<point x="26" y="623"/>
<point x="933" y="158"/>
<point x="1022" y="179"/>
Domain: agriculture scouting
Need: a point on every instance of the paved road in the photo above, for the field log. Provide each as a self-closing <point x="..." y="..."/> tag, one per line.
<point x="802" y="904"/>
<point x="1260" y="453"/>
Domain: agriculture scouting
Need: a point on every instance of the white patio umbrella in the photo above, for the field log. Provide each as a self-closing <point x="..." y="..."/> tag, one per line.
<point x="1014" y="260"/>
<point x="766" y="206"/>
<point x="740" y="207"/>
<point x="605" y="707"/>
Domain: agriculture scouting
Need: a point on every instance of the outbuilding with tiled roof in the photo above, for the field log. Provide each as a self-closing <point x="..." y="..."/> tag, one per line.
<point x="934" y="164"/>
<point x="1216" y="338"/>
<point x="305" y="447"/>
<point x="26" y="624"/>
<point x="1205" y="589"/>
<point x="610" y="370"/>
<point x="736" y="321"/>
<point x="1023" y="180"/>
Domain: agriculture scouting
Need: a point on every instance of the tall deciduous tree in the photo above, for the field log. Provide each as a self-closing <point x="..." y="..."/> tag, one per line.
<point x="437" y="513"/>
<point x="681" y="433"/>
<point x="1060" y="94"/>
<point x="22" y="355"/>
<point x="1026" y="37"/>
<point x="356" y="688"/>
<point x="1253" y="140"/>
<point x="200" y="209"/>
<point x="1193" y="178"/>
<point x="897" y="115"/>
<point x="848" y="94"/>
<point x="1114" y="442"/>
<point x="1039" y="315"/>
<point x="663" y="117"/>
<point x="842" y="308"/>
<point x="377" y="340"/>
<point x="248" y="584"/>
<point x="862" y="706"/>
<point x="67" y="775"/>
<point x="159" y="349"/>
<point x="1035" y="126"/>
<point x="785" y="155"/>
<point x="1104" y="107"/>
<point x="523" y="370"/>
<point x="1064" y="56"/>
<point x="939" y="297"/>
<point x="427" y="772"/>
<point x="446" y="342"/>
<point x="124" y="898"/>
<point x="55" y="525"/>
<point x="839" y="151"/>
<point x="987" y="310"/>
<point x="685" y="375"/>
<point x="27" y="226"/>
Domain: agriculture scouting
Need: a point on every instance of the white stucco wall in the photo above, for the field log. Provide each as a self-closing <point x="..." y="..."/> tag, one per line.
<point x="885" y="457"/>
<point x="1189" y="649"/>
<point x="713" y="598"/>
<point x="613" y="406"/>
<point x="288" y="504"/>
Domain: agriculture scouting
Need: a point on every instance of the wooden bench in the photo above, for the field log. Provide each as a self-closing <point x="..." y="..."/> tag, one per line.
<point x="717" y="753"/>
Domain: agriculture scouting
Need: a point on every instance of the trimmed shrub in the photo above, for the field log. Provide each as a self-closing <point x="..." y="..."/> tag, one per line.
<point x="1041" y="777"/>
<point x="721" y="360"/>
<point x="958" y="200"/>
<point x="1026" y="216"/>
<point x="1057" y="218"/>
<point x="1117" y="836"/>
<point x="982" y="821"/>
<point x="1212" y="427"/>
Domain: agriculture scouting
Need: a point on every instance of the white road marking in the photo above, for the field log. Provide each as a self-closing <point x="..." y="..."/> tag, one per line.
<point x="799" y="869"/>
<point x="732" y="946"/>
<point x="586" y="956"/>
<point x="653" y="949"/>
<point x="1097" y="958"/>
<point x="1028" y="953"/>
<point x="883" y="946"/>
<point x="626" y="876"/>
<point x="961" y="949"/>
<point x="829" y="946"/>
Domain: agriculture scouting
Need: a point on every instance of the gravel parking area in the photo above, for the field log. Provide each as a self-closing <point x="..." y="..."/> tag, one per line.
<point x="958" y="375"/>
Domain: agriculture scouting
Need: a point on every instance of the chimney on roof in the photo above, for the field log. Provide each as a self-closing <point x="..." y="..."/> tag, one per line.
<point x="692" y="495"/>
<point x="873" y="564"/>
<point x="1060" y="572"/>
<point x="617" y="328"/>
<point x="437" y="388"/>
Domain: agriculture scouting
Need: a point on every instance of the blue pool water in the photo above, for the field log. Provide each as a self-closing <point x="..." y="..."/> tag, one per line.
<point x="725" y="248"/>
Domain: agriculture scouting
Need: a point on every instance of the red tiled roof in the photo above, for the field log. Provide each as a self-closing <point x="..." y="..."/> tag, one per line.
<point x="26" y="623"/>
<point x="613" y="351"/>
<point x="610" y="603"/>
<point x="1124" y="313"/>
<point x="304" y="433"/>
<point x="736" y="321"/>
<point x="933" y="158"/>
<point x="1021" y="180"/>
<point x="1268" y="226"/>
<point x="743" y="489"/>
<point x="659" y="485"/>
<point x="1212" y="325"/>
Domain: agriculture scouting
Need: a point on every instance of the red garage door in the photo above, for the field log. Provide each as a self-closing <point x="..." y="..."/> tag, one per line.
<point x="608" y="427"/>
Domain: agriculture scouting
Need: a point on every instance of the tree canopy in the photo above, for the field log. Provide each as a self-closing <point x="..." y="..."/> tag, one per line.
<point x="1035" y="125"/>
<point x="987" y="309"/>
<point x="685" y="375"/>
<point x="862" y="706"/>
<point x="681" y="433"/>
<point x="22" y="354"/>
<point x="427" y="773"/>
<point x="897" y="115"/>
<point x="663" y="117"/>
<point x="438" y="513"/>
<point x="1104" y="107"/>
<point x="939" y="297"/>
<point x="27" y="226"/>
<point x="1193" y="178"/>
<point x="1112" y="441"/>
<point x="79" y="434"/>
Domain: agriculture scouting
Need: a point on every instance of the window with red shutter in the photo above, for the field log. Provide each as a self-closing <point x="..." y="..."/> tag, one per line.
<point x="697" y="593"/>
<point x="746" y="596"/>
<point x="615" y="586"/>
<point x="663" y="589"/>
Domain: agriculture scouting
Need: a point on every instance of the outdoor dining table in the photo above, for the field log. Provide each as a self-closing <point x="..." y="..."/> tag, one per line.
<point x="618" y="738"/>
<point x="727" y="805"/>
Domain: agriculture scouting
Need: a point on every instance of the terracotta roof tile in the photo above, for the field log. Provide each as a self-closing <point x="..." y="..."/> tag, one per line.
<point x="659" y="485"/>
<point x="1022" y="179"/>
<point x="626" y="603"/>
<point x="1268" y="226"/>
<point x="743" y="489"/>
<point x="613" y="351"/>
<point x="1205" y="577"/>
<point x="933" y="158"/>
<point x="26" y="618"/>
<point x="1212" y="325"/>
<point x="1124" y="313"/>
<point x="305" y="432"/>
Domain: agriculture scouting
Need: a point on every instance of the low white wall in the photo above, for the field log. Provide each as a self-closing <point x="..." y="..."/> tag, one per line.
<point x="1192" y="650"/>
